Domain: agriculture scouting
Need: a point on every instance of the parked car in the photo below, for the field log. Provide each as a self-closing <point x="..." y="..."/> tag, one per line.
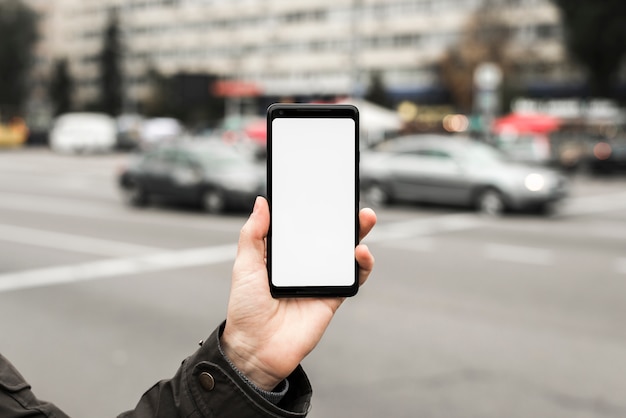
<point x="129" y="129"/>
<point x="83" y="132"/>
<point x="209" y="173"/>
<point x="455" y="171"/>
<point x="13" y="132"/>
<point x="158" y="130"/>
<point x="607" y="155"/>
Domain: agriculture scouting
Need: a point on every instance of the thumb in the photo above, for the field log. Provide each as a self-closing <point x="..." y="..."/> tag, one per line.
<point x="251" y="248"/>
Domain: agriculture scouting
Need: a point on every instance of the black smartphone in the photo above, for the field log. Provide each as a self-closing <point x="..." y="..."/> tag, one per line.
<point x="313" y="193"/>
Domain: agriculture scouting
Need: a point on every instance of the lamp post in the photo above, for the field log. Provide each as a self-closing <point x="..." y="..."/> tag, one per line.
<point x="487" y="80"/>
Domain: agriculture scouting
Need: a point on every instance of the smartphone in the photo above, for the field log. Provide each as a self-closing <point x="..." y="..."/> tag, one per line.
<point x="313" y="193"/>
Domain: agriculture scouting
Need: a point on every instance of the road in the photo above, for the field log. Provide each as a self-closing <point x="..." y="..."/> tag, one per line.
<point x="464" y="316"/>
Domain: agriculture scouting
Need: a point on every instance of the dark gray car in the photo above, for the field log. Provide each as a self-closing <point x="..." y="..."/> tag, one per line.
<point x="209" y="173"/>
<point x="455" y="171"/>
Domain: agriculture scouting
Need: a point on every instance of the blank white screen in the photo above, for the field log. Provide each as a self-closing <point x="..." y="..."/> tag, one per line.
<point x="313" y="201"/>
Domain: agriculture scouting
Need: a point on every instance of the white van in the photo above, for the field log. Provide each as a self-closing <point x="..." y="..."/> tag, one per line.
<point x="83" y="132"/>
<point x="158" y="130"/>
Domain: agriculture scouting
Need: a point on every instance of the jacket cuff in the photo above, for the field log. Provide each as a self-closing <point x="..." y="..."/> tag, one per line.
<point x="215" y="386"/>
<point x="274" y="396"/>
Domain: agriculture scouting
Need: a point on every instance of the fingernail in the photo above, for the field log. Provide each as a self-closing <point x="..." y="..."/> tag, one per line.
<point x="256" y="204"/>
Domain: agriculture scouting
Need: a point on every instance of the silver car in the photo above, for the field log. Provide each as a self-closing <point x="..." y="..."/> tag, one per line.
<point x="455" y="171"/>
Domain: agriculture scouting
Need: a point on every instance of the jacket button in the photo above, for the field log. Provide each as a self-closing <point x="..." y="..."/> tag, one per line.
<point x="207" y="381"/>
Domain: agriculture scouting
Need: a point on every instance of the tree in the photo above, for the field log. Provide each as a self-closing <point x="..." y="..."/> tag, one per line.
<point x="17" y="37"/>
<point x="376" y="92"/>
<point x="110" y="67"/>
<point x="186" y="96"/>
<point x="595" y="35"/>
<point x="484" y="39"/>
<point x="155" y="102"/>
<point x="61" y="86"/>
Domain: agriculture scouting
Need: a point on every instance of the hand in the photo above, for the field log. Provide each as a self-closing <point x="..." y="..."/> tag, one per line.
<point x="267" y="338"/>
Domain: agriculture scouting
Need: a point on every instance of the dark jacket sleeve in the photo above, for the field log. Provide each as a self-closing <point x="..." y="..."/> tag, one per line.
<point x="207" y="386"/>
<point x="16" y="398"/>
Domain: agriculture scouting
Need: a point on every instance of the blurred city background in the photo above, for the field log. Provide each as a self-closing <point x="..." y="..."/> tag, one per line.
<point x="493" y="148"/>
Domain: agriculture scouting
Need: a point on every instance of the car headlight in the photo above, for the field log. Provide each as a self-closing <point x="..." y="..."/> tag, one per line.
<point x="534" y="182"/>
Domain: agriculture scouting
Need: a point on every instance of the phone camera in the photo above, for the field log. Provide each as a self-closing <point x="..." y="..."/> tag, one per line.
<point x="281" y="112"/>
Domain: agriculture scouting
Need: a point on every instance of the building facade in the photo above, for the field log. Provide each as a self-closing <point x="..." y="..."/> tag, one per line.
<point x="295" y="47"/>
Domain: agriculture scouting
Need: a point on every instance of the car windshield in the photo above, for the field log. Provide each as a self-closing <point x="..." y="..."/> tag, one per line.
<point x="220" y="158"/>
<point x="479" y="154"/>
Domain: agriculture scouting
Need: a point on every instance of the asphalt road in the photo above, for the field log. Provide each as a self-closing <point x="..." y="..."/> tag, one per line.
<point x="464" y="316"/>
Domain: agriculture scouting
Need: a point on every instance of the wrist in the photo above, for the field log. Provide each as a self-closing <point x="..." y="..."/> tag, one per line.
<point x="244" y="360"/>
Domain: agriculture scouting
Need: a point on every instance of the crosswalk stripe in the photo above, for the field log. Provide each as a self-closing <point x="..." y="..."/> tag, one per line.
<point x="167" y="260"/>
<point x="70" y="242"/>
<point x="519" y="254"/>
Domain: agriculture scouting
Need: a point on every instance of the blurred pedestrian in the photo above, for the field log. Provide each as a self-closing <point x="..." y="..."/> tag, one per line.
<point x="249" y="366"/>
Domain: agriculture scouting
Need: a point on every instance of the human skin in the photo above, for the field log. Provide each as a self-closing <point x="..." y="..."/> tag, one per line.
<point x="266" y="338"/>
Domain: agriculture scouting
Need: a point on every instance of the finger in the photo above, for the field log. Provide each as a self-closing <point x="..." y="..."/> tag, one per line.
<point x="367" y="220"/>
<point x="251" y="248"/>
<point x="366" y="262"/>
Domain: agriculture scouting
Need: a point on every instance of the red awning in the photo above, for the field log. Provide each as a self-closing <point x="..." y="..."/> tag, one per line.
<point x="526" y="123"/>
<point x="233" y="88"/>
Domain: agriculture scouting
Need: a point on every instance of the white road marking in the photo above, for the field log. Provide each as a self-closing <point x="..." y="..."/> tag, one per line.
<point x="593" y="204"/>
<point x="69" y="242"/>
<point x="88" y="185"/>
<point x="519" y="254"/>
<point x="119" y="213"/>
<point x="614" y="231"/>
<point x="404" y="234"/>
<point x="422" y="227"/>
<point x="168" y="260"/>
<point x="53" y="205"/>
<point x="421" y="244"/>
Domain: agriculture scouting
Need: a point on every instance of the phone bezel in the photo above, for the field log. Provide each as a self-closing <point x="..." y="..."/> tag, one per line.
<point x="284" y="110"/>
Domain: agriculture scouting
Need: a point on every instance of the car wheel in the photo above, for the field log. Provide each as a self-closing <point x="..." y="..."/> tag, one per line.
<point x="213" y="201"/>
<point x="134" y="195"/>
<point x="375" y="195"/>
<point x="490" y="202"/>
